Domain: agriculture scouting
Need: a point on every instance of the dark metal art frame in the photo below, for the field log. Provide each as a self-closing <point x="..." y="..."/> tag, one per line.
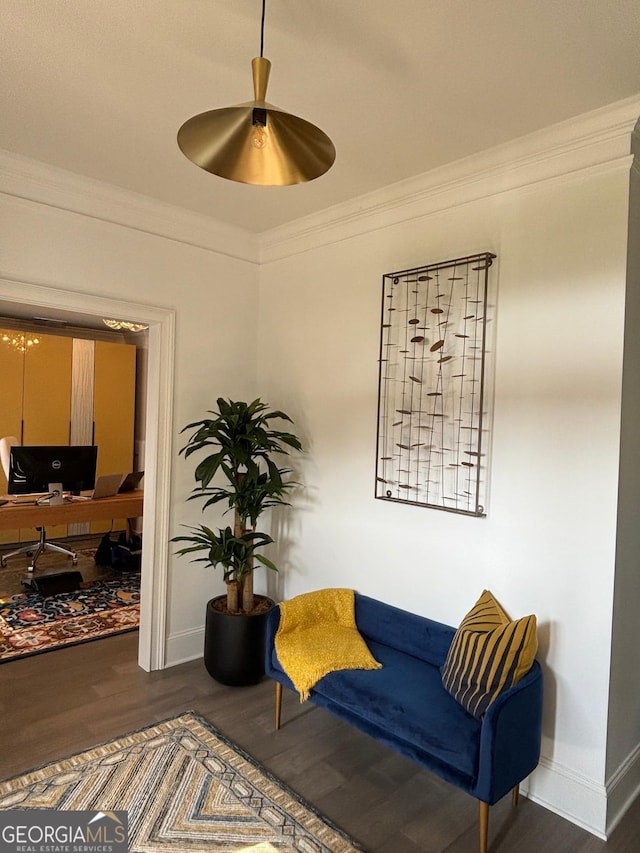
<point x="431" y="391"/>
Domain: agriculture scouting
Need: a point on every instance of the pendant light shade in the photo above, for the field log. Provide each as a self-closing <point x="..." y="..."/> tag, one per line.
<point x="256" y="142"/>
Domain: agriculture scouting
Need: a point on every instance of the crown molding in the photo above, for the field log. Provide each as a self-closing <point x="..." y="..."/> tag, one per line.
<point x="40" y="183"/>
<point x="592" y="143"/>
<point x="587" y="144"/>
<point x="635" y="141"/>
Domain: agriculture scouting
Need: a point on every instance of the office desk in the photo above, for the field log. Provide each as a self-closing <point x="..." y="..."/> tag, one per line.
<point x="127" y="505"/>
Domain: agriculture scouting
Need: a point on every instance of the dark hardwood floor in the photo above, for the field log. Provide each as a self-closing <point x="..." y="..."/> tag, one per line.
<point x="55" y="704"/>
<point x="12" y="575"/>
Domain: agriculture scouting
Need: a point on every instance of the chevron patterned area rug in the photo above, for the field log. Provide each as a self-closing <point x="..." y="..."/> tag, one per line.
<point x="185" y="788"/>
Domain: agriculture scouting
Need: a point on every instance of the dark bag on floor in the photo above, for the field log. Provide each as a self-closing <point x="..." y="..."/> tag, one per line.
<point x="123" y="553"/>
<point x="55" y="583"/>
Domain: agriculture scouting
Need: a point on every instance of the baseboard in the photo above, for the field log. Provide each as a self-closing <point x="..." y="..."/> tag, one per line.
<point x="622" y="789"/>
<point x="595" y="808"/>
<point x="184" y="646"/>
<point x="570" y="795"/>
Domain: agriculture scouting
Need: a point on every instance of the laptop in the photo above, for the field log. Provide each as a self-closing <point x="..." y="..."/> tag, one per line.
<point x="106" y="486"/>
<point x="131" y="482"/>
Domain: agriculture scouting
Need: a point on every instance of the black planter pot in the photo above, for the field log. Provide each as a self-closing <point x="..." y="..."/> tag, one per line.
<point x="234" y="644"/>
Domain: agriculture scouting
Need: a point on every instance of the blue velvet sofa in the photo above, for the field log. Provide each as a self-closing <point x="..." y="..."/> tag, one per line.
<point x="404" y="706"/>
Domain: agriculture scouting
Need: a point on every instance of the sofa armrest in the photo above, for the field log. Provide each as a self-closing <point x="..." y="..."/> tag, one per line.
<point x="510" y="738"/>
<point x="272" y="624"/>
<point x="272" y="665"/>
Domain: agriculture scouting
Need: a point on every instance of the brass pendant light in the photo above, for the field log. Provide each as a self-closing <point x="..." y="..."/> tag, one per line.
<point x="256" y="142"/>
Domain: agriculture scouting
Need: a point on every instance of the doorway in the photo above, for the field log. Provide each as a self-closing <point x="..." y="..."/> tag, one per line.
<point x="24" y="300"/>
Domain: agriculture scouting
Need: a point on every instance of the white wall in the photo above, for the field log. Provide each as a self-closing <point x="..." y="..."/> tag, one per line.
<point x="548" y="543"/>
<point x="214" y="295"/>
<point x="303" y="332"/>
<point x="623" y="753"/>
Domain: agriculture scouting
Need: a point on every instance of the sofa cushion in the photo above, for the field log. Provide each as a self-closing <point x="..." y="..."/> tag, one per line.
<point x="489" y="653"/>
<point x="418" y="636"/>
<point x="403" y="704"/>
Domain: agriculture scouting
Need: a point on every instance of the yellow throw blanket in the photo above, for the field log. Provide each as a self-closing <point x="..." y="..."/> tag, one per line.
<point x="318" y="635"/>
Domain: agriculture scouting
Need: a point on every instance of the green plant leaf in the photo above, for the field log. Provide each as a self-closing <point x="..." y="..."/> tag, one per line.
<point x="265" y="562"/>
<point x="239" y="470"/>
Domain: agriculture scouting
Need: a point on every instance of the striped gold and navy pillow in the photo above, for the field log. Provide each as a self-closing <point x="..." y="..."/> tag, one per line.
<point x="489" y="653"/>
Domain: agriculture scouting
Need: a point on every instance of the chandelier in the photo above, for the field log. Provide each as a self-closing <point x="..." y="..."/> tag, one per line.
<point x="125" y="325"/>
<point x="19" y="342"/>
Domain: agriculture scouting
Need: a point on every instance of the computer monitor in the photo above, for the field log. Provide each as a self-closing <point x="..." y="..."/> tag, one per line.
<point x="33" y="468"/>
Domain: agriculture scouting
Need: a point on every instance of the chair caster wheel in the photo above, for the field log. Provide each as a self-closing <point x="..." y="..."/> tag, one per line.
<point x="3" y="563"/>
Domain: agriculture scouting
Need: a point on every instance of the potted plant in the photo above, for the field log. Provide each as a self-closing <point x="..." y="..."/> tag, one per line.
<point x="244" y="442"/>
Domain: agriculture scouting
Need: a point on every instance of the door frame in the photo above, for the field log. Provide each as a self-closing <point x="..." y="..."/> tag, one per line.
<point x="158" y="438"/>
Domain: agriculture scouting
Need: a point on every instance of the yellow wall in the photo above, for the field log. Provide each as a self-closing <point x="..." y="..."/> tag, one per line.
<point x="35" y="406"/>
<point x="114" y="412"/>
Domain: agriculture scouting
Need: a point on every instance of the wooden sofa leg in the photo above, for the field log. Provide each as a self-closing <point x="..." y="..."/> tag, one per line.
<point x="278" y="703"/>
<point x="515" y="795"/>
<point x="484" y="826"/>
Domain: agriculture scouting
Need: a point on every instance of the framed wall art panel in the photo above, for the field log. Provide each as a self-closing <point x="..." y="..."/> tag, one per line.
<point x="432" y="430"/>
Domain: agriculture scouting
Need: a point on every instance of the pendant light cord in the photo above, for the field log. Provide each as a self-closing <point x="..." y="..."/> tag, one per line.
<point x="264" y="3"/>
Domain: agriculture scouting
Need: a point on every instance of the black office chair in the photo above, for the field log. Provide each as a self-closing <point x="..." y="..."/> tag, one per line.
<point x="34" y="550"/>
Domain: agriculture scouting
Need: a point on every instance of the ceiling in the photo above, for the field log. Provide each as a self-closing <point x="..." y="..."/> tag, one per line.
<point x="100" y="88"/>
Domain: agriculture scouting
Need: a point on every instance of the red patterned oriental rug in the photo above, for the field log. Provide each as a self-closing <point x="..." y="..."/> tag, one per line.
<point x="31" y="623"/>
